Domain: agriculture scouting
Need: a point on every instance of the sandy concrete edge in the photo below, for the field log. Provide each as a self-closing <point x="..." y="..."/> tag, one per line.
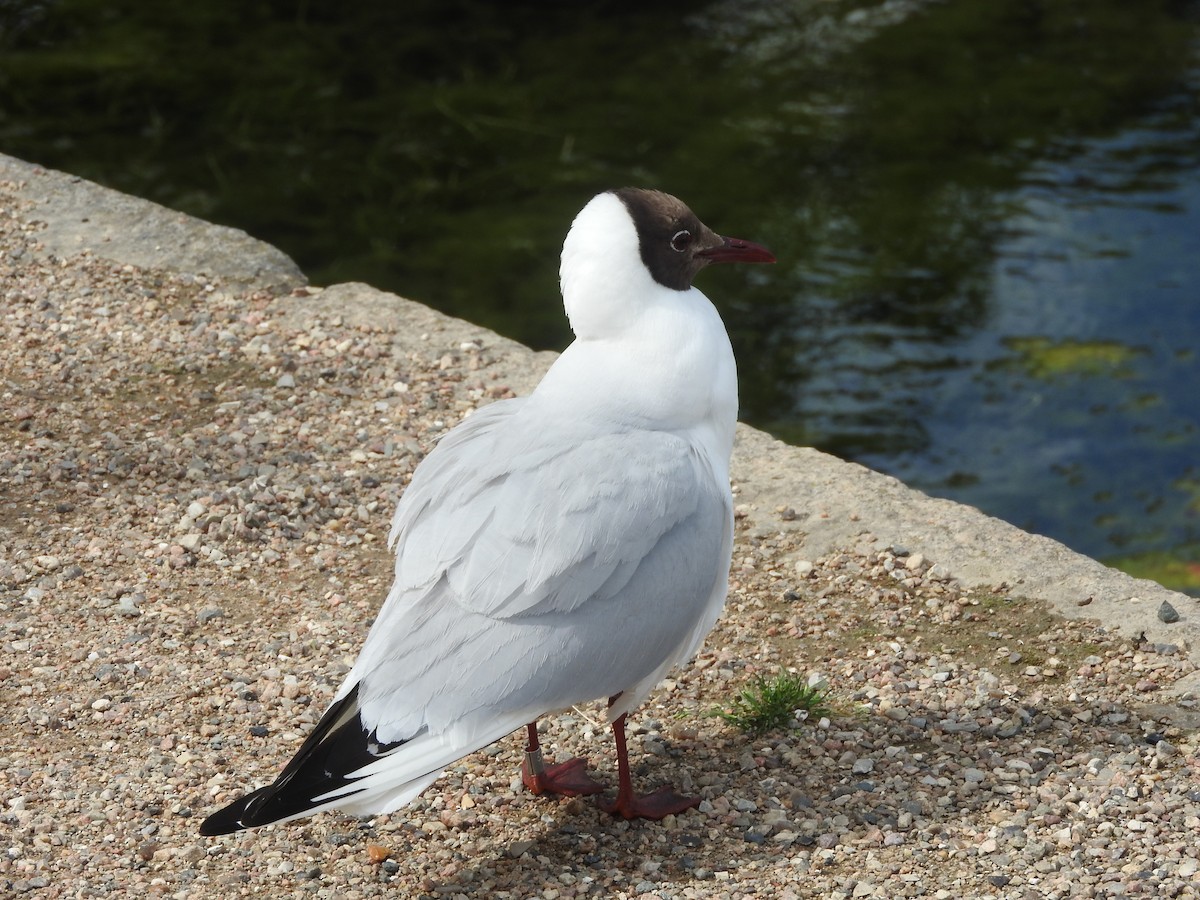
<point x="80" y="215"/>
<point x="829" y="502"/>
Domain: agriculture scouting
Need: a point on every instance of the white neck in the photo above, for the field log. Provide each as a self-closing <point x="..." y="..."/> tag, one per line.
<point x="673" y="372"/>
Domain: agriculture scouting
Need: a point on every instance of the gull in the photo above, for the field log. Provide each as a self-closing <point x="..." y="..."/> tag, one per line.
<point x="553" y="549"/>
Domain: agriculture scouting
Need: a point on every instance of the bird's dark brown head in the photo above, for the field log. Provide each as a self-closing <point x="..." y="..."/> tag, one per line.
<point x="675" y="244"/>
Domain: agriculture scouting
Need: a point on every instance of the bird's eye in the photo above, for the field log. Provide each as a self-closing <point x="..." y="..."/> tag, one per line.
<point x="681" y="240"/>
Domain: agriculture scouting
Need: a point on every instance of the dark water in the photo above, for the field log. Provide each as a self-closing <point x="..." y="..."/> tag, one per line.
<point x="987" y="214"/>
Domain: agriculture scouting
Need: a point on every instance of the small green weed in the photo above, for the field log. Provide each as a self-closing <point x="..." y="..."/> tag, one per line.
<point x="776" y="703"/>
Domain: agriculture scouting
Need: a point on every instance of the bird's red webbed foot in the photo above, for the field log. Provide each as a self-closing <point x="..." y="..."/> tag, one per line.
<point x="565" y="779"/>
<point x="655" y="805"/>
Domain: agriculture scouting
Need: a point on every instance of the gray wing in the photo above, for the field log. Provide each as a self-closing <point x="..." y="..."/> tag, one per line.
<point x="521" y="521"/>
<point x="539" y="569"/>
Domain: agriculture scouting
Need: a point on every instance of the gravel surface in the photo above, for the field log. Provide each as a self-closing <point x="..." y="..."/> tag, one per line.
<point x="196" y="486"/>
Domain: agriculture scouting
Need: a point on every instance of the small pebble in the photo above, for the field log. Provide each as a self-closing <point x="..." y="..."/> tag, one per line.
<point x="1167" y="613"/>
<point x="377" y="853"/>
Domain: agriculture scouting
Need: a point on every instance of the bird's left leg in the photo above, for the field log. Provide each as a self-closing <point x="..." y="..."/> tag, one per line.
<point x="567" y="779"/>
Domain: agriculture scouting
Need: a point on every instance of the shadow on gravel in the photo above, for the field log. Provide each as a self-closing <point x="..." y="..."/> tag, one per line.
<point x="803" y="800"/>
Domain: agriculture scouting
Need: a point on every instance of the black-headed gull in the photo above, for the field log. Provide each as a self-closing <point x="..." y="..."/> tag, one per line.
<point x="554" y="549"/>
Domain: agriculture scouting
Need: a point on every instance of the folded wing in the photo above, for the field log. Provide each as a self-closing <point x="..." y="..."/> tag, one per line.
<point x="533" y="572"/>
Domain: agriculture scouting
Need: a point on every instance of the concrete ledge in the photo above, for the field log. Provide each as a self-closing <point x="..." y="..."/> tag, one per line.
<point x="835" y="504"/>
<point x="80" y="215"/>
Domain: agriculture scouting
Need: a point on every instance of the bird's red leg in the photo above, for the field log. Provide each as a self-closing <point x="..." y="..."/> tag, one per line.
<point x="657" y="805"/>
<point x="567" y="779"/>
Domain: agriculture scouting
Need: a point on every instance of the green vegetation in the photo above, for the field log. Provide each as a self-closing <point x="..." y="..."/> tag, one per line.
<point x="1044" y="358"/>
<point x="772" y="704"/>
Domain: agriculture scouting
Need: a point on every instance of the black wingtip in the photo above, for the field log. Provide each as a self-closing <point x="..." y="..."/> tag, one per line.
<point x="223" y="821"/>
<point x="337" y="746"/>
<point x="232" y="817"/>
